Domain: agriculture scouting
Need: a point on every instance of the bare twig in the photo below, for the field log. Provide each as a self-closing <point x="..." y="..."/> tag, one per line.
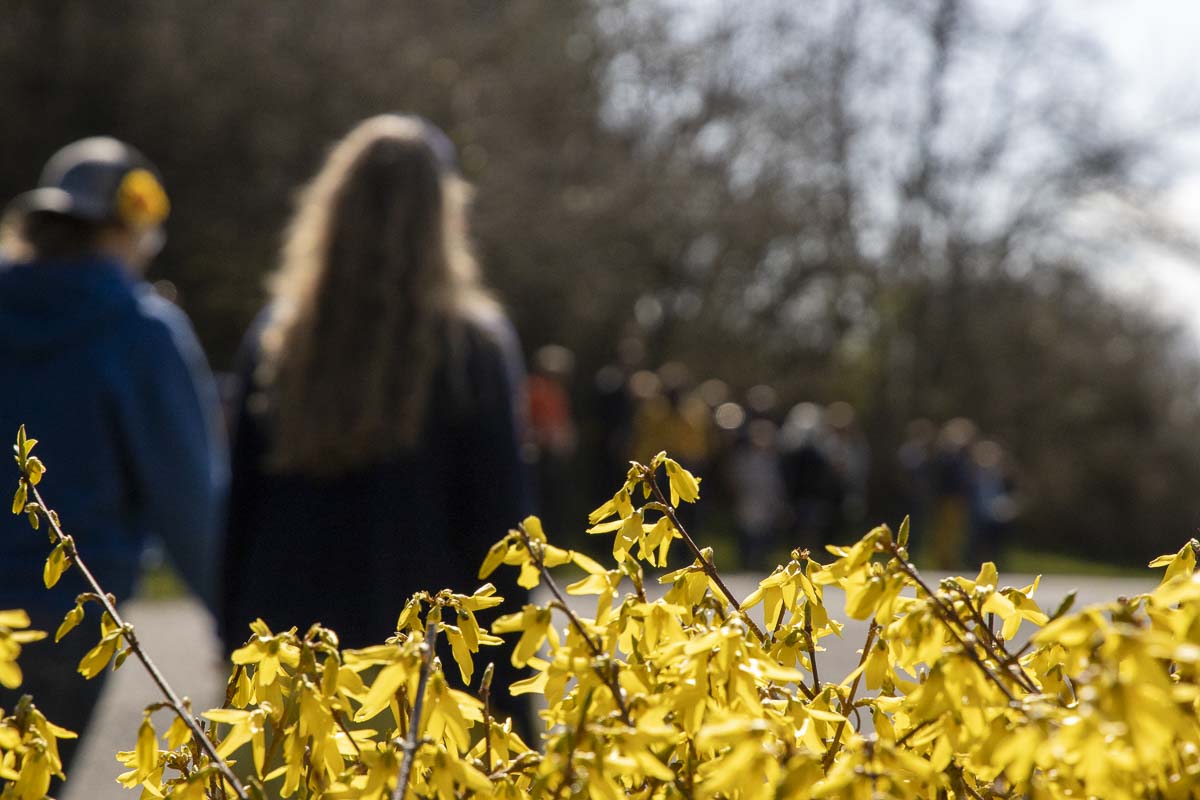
<point x="831" y="753"/>
<point x="639" y="584"/>
<point x="948" y="619"/>
<point x="689" y="787"/>
<point x="994" y="647"/>
<point x="485" y="692"/>
<point x="1015" y="657"/>
<point x="569" y="771"/>
<point x="914" y="730"/>
<point x="413" y="741"/>
<point x="812" y="647"/>
<point x="276" y="741"/>
<point x="960" y="782"/>
<point x="339" y="717"/>
<point x="707" y="565"/>
<point x="610" y="679"/>
<point x="130" y="637"/>
<point x="231" y="686"/>
<point x="519" y="764"/>
<point x="970" y="791"/>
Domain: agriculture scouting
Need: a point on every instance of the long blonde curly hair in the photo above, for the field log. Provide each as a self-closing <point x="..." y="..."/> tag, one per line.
<point x="375" y="263"/>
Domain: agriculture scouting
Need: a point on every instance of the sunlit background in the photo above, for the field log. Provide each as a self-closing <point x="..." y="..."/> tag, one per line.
<point x="850" y="222"/>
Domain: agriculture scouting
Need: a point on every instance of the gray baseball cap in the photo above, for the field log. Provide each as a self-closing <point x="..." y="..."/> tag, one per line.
<point x="85" y="180"/>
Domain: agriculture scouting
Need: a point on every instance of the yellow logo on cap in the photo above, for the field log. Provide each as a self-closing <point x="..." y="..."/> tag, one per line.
<point x="141" y="200"/>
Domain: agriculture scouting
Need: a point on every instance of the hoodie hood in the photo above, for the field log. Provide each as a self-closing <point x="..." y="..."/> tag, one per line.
<point x="54" y="305"/>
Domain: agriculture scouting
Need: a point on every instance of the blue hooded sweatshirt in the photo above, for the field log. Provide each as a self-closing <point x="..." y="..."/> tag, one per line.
<point x="110" y="380"/>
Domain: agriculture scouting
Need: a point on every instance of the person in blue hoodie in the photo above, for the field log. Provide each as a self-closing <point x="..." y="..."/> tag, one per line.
<point x="110" y="379"/>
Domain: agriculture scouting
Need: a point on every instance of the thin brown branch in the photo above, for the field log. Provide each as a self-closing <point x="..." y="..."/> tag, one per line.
<point x="994" y="647"/>
<point x="518" y="764"/>
<point x="339" y="717"/>
<point x="638" y="581"/>
<point x="1015" y="657"/>
<point x="971" y="791"/>
<point x="812" y="647"/>
<point x="960" y="782"/>
<point x="135" y="646"/>
<point x="807" y="692"/>
<point x="915" y="730"/>
<point x="568" y="776"/>
<point x="831" y="753"/>
<point x="610" y="679"/>
<point x="231" y="686"/>
<point x="948" y="619"/>
<point x="485" y="694"/>
<point x="969" y="651"/>
<point x="707" y="565"/>
<point x="413" y="740"/>
<point x="690" y="787"/>
<point x="276" y="743"/>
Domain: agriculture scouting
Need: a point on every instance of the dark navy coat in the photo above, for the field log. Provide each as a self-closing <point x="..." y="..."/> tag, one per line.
<point x="110" y="380"/>
<point x="348" y="550"/>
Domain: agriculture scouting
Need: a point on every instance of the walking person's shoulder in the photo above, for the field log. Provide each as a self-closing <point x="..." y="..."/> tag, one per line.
<point x="162" y="359"/>
<point x="485" y="368"/>
<point x="158" y="335"/>
<point x="490" y="337"/>
<point x="160" y="321"/>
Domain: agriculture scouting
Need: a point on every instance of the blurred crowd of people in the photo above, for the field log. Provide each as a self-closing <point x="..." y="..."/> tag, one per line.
<point x="961" y="489"/>
<point x="778" y="477"/>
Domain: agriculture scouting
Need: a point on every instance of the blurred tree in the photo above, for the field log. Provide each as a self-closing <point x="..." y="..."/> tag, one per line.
<point x="888" y="200"/>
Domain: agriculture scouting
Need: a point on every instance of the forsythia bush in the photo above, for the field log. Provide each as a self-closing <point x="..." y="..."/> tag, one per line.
<point x="28" y="741"/>
<point x="694" y="695"/>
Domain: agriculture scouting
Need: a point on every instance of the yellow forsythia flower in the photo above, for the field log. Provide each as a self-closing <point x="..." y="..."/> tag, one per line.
<point x="11" y="639"/>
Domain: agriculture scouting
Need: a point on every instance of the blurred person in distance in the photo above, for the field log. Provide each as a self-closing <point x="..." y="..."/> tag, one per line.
<point x="673" y="419"/>
<point x="851" y="457"/>
<point x="994" y="504"/>
<point x="952" y="490"/>
<point x="815" y="490"/>
<point x="761" y="401"/>
<point x="552" y="433"/>
<point x="614" y="412"/>
<point x="715" y="395"/>
<point x="377" y="443"/>
<point x="110" y="379"/>
<point x="915" y="459"/>
<point x="759" y="494"/>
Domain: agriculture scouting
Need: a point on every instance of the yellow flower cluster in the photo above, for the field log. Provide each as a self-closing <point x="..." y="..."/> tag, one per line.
<point x="28" y="742"/>
<point x="702" y="695"/>
<point x="12" y="635"/>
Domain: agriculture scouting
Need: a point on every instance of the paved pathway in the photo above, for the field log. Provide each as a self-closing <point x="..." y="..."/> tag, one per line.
<point x="180" y="637"/>
<point x="178" y="633"/>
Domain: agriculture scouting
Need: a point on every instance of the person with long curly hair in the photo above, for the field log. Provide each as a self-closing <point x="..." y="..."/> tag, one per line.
<point x="376" y="439"/>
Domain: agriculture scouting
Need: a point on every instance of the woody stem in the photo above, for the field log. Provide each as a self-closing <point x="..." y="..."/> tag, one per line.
<point x="135" y="646"/>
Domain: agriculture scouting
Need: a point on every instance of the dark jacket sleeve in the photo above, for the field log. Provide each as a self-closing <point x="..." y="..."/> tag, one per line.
<point x="246" y="455"/>
<point x="492" y="469"/>
<point x="495" y="486"/>
<point x="171" y="424"/>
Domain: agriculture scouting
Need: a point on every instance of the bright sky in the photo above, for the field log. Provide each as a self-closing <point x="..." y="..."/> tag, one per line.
<point x="1153" y="47"/>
